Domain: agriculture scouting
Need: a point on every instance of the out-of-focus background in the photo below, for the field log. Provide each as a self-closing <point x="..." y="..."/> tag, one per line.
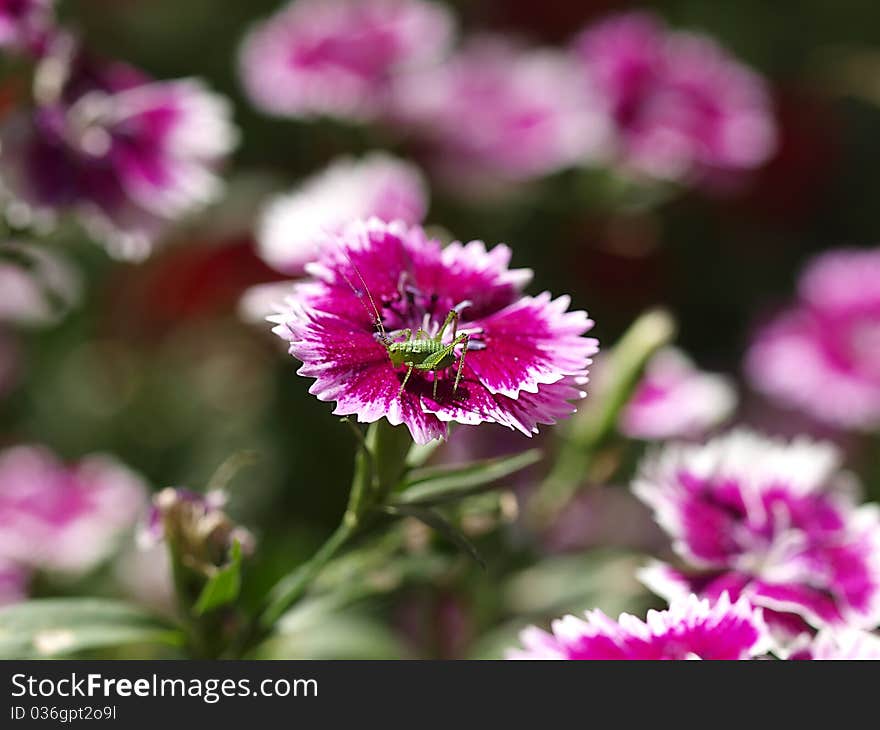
<point x="155" y="365"/>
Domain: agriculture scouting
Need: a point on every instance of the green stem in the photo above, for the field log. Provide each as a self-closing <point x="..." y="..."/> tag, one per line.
<point x="291" y="588"/>
<point x="380" y="465"/>
<point x="183" y="592"/>
<point x="204" y="634"/>
<point x="590" y="428"/>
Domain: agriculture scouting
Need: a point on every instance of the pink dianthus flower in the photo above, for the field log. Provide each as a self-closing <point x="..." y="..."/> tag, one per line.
<point x="526" y="357"/>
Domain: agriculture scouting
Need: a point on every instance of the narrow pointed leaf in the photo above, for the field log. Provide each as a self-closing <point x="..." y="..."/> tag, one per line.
<point x="224" y="586"/>
<point x="55" y="627"/>
<point x="437" y="485"/>
<point x="438" y="522"/>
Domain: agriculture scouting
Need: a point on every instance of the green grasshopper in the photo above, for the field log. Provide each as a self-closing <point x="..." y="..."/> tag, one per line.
<point x="423" y="352"/>
<point x="420" y="351"/>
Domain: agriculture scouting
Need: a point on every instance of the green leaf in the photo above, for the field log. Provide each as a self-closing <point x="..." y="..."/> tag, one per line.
<point x="438" y="522"/>
<point x="572" y="583"/>
<point x="436" y="485"/>
<point x="55" y="627"/>
<point x="593" y="425"/>
<point x="333" y="635"/>
<point x="224" y="586"/>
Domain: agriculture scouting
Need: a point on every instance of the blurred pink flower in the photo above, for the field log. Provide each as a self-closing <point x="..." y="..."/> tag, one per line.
<point x="64" y="518"/>
<point x="497" y="113"/>
<point x="770" y="520"/>
<point x="261" y="301"/>
<point x="822" y="356"/>
<point x="13" y="582"/>
<point x="526" y="360"/>
<point x="338" y="57"/>
<point x="682" y="106"/>
<point x="689" y="629"/>
<point x="843" y="644"/>
<point x="675" y="400"/>
<point x="25" y="24"/>
<point x="38" y="284"/>
<point x="292" y="225"/>
<point x="127" y="153"/>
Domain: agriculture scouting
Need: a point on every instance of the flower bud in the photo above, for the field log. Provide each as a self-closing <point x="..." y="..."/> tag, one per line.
<point x="197" y="529"/>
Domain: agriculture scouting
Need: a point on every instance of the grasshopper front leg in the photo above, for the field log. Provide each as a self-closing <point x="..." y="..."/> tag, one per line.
<point x="451" y="318"/>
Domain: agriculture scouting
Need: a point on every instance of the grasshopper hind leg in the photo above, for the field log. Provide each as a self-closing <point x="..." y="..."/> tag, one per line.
<point x="465" y="339"/>
<point x="409" y="372"/>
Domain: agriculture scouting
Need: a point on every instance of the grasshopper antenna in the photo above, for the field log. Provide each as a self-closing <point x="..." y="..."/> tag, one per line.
<point x="359" y="293"/>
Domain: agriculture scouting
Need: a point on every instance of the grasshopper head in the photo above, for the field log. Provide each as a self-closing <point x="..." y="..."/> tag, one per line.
<point x="396" y="352"/>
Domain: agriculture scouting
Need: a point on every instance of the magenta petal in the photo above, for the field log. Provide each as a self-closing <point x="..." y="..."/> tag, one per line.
<point x="533" y="342"/>
<point x="470" y="272"/>
<point x="698" y="513"/>
<point x="367" y="265"/>
<point x="813" y="604"/>
<point x="690" y="629"/>
<point x="855" y="570"/>
<point x="709" y="527"/>
<point x="474" y="403"/>
<point x="549" y="405"/>
<point x="373" y="393"/>
<point x="383" y="259"/>
<point x="471" y="404"/>
<point x="673" y="584"/>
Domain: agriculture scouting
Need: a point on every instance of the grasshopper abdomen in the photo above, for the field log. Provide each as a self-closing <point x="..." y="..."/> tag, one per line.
<point x="412" y="352"/>
<point x="416" y="347"/>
